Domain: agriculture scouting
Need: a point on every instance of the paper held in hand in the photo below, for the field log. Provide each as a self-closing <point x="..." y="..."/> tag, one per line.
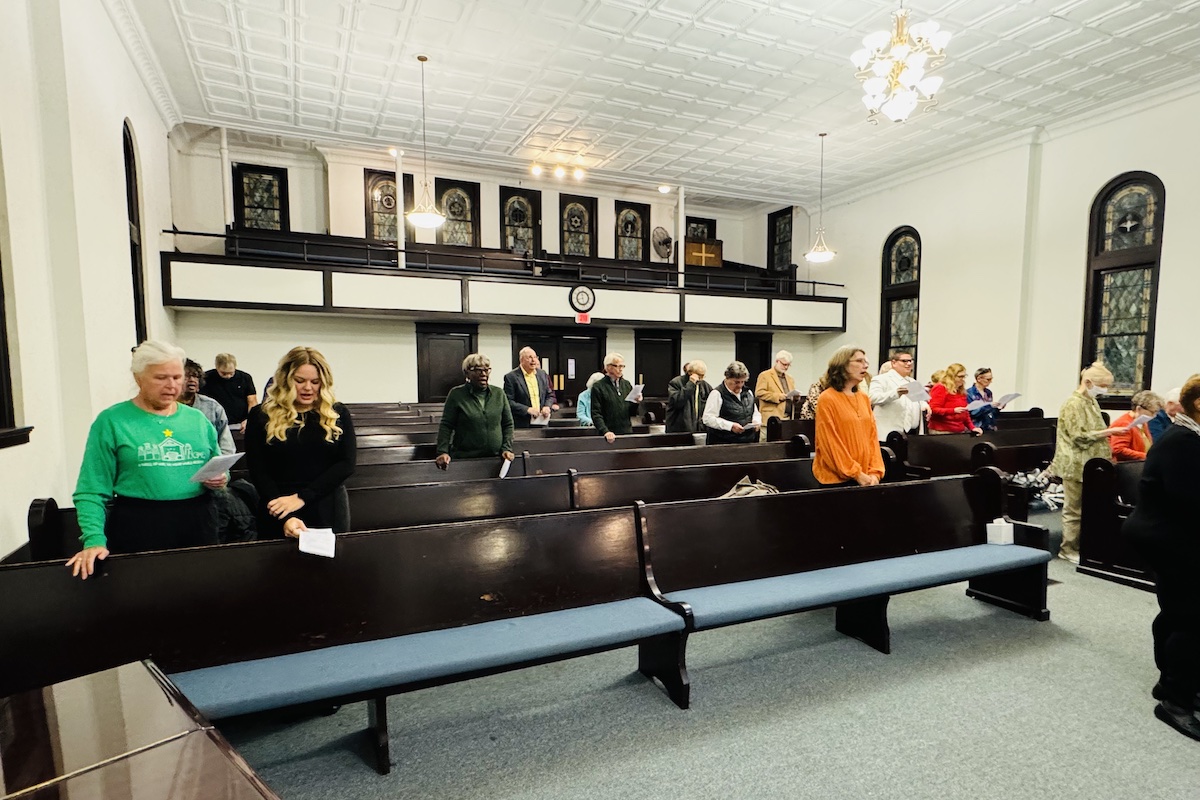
<point x="1141" y="419"/>
<point x="975" y="405"/>
<point x="318" y="541"/>
<point x="635" y="394"/>
<point x="1008" y="398"/>
<point x="916" y="391"/>
<point x="505" y="467"/>
<point x="539" y="421"/>
<point x="216" y="467"/>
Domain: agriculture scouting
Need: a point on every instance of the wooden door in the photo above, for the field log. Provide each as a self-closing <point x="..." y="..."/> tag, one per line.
<point x="656" y="356"/>
<point x="569" y="357"/>
<point x="440" y="353"/>
<point x="753" y="350"/>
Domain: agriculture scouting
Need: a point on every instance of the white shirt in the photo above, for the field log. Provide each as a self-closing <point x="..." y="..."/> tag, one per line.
<point x="712" y="413"/>
<point x="893" y="411"/>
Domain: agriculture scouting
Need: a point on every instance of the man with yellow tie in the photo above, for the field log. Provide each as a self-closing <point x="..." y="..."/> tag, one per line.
<point x="528" y="390"/>
<point x="686" y="396"/>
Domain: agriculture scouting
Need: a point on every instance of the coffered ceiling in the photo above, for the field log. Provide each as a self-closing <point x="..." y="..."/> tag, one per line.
<point x="725" y="97"/>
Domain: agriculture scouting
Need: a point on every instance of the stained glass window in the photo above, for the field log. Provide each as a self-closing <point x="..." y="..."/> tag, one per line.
<point x="1129" y="218"/>
<point x="577" y="230"/>
<point x="1125" y="245"/>
<point x="904" y="260"/>
<point x="779" y="225"/>
<point x="900" y="300"/>
<point x="518" y="225"/>
<point x="382" y="205"/>
<point x="261" y="194"/>
<point x="1124" y="316"/>
<point x="701" y="228"/>
<point x="633" y="229"/>
<point x="459" y="227"/>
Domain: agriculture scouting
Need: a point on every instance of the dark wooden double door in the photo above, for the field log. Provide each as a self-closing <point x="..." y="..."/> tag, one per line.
<point x="568" y="355"/>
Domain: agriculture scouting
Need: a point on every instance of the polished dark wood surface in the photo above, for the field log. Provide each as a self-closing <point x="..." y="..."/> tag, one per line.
<point x="204" y="606"/>
<point x="600" y="460"/>
<point x="959" y="454"/>
<point x="1109" y="496"/>
<point x="725" y="541"/>
<point x="780" y="430"/>
<point x="123" y="733"/>
<point x="378" y="507"/>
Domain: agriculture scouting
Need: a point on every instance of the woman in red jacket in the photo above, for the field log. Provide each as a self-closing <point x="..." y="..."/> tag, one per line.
<point x="948" y="403"/>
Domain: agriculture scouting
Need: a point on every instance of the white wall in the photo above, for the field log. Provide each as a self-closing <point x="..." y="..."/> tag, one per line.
<point x="69" y="87"/>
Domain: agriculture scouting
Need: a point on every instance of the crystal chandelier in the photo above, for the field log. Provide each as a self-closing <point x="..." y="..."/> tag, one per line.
<point x="820" y="252"/>
<point x="425" y="214"/>
<point x="893" y="66"/>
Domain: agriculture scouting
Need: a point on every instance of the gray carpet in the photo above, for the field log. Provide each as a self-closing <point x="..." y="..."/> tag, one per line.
<point x="973" y="702"/>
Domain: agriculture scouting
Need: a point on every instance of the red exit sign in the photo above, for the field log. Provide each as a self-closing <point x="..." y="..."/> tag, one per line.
<point x="583" y="319"/>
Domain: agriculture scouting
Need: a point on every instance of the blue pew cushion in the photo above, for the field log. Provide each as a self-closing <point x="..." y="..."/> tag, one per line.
<point x="266" y="683"/>
<point x="713" y="606"/>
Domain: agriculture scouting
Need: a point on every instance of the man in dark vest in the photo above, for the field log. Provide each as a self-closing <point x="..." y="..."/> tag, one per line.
<point x="731" y="414"/>
<point x="611" y="405"/>
<point x="686" y="396"/>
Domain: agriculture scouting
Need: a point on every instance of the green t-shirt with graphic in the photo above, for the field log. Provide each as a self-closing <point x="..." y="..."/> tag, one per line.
<point x="133" y="453"/>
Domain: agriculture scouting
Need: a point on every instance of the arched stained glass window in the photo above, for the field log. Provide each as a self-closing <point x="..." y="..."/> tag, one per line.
<point x="518" y="225"/>
<point x="899" y="314"/>
<point x="456" y="205"/>
<point x="1124" y="249"/>
<point x="382" y="205"/>
<point x="578" y="225"/>
<point x="633" y="231"/>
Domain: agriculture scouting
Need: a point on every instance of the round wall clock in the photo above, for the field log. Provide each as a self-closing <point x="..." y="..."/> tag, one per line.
<point x="582" y="299"/>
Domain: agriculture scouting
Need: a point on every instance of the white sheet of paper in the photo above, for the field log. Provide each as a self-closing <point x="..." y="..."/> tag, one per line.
<point x="975" y="405"/>
<point x="636" y="391"/>
<point x="318" y="541"/>
<point x="216" y="467"/>
<point x="752" y="426"/>
<point x="1008" y="398"/>
<point x="1142" y="419"/>
<point x="539" y="421"/>
<point x="916" y="391"/>
<point x="504" y="468"/>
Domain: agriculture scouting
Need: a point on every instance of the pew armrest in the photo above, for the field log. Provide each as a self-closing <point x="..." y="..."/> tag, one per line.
<point x="1035" y="536"/>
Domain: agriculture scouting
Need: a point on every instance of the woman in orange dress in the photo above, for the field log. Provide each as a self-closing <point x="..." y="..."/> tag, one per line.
<point x="847" y="442"/>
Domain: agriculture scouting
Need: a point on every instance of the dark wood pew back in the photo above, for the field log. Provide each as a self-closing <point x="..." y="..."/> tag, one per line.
<point x="376" y="507"/>
<point x="691" y="482"/>
<point x="739" y="539"/>
<point x="396" y="473"/>
<point x="214" y="605"/>
<point x="780" y="430"/>
<point x="1110" y="494"/>
<point x="600" y="460"/>
<point x="954" y="454"/>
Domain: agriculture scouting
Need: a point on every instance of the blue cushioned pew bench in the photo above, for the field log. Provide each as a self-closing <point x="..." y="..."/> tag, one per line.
<point x="251" y="627"/>
<point x="466" y="600"/>
<point x="752" y="558"/>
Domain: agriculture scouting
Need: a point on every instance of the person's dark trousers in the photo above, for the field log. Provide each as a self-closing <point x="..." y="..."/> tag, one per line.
<point x="1177" y="630"/>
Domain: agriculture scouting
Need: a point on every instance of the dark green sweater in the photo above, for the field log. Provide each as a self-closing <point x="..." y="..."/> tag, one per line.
<point x="610" y="409"/>
<point x="475" y="423"/>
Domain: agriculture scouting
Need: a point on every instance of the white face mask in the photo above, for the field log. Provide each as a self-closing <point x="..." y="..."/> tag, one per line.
<point x="1096" y="391"/>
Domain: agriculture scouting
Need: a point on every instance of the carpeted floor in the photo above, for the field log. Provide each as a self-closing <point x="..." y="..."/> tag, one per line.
<point x="973" y="702"/>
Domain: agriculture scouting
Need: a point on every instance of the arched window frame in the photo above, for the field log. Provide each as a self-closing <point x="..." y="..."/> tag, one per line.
<point x="891" y="292"/>
<point x="1100" y="263"/>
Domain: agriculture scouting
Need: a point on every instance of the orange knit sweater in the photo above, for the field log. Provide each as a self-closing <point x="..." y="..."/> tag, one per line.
<point x="847" y="444"/>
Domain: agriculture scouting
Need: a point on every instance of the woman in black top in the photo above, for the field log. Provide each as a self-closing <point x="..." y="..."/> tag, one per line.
<point x="300" y="449"/>
<point x="1163" y="526"/>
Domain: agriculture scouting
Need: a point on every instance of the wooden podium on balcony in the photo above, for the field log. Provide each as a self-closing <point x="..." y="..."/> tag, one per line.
<point x="703" y="253"/>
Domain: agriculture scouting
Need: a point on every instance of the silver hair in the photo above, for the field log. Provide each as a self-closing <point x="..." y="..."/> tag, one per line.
<point x="596" y="376"/>
<point x="736" y="369"/>
<point x="697" y="367"/>
<point x="784" y="355"/>
<point x="226" y="360"/>
<point x="521" y="353"/>
<point x="1173" y="395"/>
<point x="476" y="360"/>
<point x="611" y="357"/>
<point x="151" y="352"/>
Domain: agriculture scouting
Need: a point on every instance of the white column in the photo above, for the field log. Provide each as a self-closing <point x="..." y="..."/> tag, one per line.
<point x="680" y="235"/>
<point x="400" y="243"/>
<point x="226" y="179"/>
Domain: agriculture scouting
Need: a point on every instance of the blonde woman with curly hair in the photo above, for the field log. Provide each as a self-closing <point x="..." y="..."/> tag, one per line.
<point x="948" y="403"/>
<point x="300" y="447"/>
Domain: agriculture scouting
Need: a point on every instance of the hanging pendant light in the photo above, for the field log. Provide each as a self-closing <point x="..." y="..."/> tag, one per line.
<point x="425" y="214"/>
<point x="820" y="252"/>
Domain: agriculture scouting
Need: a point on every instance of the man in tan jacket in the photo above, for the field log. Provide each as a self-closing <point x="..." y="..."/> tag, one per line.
<point x="774" y="386"/>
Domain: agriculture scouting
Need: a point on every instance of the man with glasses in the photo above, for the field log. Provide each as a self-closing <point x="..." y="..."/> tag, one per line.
<point x="611" y="409"/>
<point x="774" y="387"/>
<point x="528" y="388"/>
<point x="894" y="409"/>
<point x="476" y="420"/>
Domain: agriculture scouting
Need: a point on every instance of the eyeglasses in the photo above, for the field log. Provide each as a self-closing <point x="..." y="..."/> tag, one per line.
<point x="617" y="366"/>
<point x="479" y="369"/>
<point x="904" y="360"/>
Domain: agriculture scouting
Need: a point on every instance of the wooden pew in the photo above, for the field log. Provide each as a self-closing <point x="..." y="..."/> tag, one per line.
<point x="1110" y="493"/>
<point x="426" y="434"/>
<point x="393" y="612"/>
<point x="780" y="430"/>
<point x="599" y="460"/>
<point x="391" y="450"/>
<point x="743" y="559"/>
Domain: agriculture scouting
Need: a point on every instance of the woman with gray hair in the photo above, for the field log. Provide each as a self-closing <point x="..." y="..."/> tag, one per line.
<point x="477" y="420"/>
<point x="134" y="491"/>
<point x="731" y="414"/>
<point x="1132" y="444"/>
<point x="583" y="406"/>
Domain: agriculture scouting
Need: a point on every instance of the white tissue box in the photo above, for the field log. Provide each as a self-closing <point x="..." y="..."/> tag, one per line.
<point x="999" y="532"/>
